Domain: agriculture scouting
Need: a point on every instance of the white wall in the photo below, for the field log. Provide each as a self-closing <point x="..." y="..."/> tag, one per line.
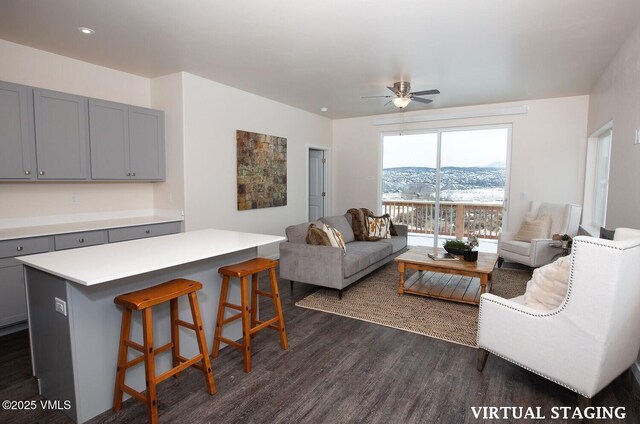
<point x="166" y="95"/>
<point x="616" y="96"/>
<point x="212" y="114"/>
<point x="547" y="152"/>
<point x="25" y="65"/>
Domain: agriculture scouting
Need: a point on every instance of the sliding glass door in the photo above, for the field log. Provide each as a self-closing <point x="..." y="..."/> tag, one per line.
<point x="447" y="183"/>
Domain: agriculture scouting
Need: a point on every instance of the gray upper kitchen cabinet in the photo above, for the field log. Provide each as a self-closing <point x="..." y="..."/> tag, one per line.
<point x="127" y="142"/>
<point x="17" y="142"/>
<point x="146" y="139"/>
<point x="62" y="135"/>
<point x="109" y="138"/>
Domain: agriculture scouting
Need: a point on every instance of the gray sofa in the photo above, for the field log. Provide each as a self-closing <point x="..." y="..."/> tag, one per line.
<point x="328" y="266"/>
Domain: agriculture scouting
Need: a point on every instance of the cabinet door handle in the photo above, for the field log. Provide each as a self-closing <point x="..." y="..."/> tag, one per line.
<point x="81" y="240"/>
<point x="128" y="174"/>
<point x="133" y="174"/>
<point x="148" y="231"/>
<point x="41" y="173"/>
<point x="27" y="172"/>
<point x="19" y="248"/>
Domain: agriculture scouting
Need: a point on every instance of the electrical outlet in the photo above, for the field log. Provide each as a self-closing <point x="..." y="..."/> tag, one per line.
<point x="523" y="195"/>
<point x="637" y="139"/>
<point x="74" y="198"/>
<point x="61" y="306"/>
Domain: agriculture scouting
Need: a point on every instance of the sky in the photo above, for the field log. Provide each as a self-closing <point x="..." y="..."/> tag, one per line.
<point x="459" y="148"/>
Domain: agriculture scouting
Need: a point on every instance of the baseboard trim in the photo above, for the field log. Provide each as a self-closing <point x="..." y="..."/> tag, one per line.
<point x="13" y="328"/>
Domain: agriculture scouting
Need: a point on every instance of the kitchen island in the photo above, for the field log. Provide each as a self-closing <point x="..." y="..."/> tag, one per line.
<point x="74" y="324"/>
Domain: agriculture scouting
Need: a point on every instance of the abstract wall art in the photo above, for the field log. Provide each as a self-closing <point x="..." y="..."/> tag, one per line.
<point x="262" y="170"/>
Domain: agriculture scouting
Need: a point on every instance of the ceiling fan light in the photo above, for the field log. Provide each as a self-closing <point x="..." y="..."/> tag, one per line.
<point x="401" y="102"/>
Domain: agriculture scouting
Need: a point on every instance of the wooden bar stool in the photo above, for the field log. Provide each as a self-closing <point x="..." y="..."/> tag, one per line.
<point x="250" y="322"/>
<point x="143" y="300"/>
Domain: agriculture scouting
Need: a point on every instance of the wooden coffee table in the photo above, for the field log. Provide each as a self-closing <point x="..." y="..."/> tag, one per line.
<point x="459" y="281"/>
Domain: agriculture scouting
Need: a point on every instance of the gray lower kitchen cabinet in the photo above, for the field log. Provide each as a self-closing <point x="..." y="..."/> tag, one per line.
<point x="127" y="142"/>
<point x="84" y="239"/>
<point x="17" y="142"/>
<point x="13" y="305"/>
<point x="13" y="308"/>
<point x="143" y="231"/>
<point x="62" y="135"/>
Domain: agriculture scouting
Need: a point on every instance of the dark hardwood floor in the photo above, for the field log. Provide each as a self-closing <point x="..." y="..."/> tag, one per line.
<point x="336" y="370"/>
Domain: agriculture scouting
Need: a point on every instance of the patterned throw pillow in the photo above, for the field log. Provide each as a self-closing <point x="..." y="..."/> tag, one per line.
<point x="317" y="236"/>
<point x="335" y="237"/>
<point x="378" y="227"/>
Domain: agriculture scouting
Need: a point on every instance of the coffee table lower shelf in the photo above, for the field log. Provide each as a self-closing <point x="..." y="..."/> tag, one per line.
<point x="456" y="288"/>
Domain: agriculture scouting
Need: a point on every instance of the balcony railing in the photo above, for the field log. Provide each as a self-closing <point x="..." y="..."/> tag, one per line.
<point x="456" y="219"/>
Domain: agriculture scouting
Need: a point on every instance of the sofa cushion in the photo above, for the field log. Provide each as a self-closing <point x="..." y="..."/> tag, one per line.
<point x="397" y="243"/>
<point x="361" y="254"/>
<point x="340" y="223"/>
<point x="548" y="285"/>
<point x="534" y="228"/>
<point x="317" y="236"/>
<point x="518" y="247"/>
<point x="298" y="233"/>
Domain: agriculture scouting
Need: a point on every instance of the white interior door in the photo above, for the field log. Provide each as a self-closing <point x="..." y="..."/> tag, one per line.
<point x="316" y="184"/>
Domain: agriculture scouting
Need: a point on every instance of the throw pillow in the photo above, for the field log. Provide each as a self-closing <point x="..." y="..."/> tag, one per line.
<point x="335" y="237"/>
<point x="378" y="227"/>
<point x="548" y="285"/>
<point x="534" y="228"/>
<point x="317" y="236"/>
<point x="607" y="234"/>
<point x="359" y="224"/>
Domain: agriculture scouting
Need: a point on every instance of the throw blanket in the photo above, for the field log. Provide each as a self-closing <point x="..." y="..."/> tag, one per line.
<point x="548" y="285"/>
<point x="360" y="227"/>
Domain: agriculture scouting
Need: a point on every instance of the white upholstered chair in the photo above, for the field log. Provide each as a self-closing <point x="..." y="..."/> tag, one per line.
<point x="592" y="337"/>
<point x="565" y="219"/>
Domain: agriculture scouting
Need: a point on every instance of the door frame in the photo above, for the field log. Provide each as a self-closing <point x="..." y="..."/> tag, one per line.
<point x="327" y="181"/>
<point x="438" y="131"/>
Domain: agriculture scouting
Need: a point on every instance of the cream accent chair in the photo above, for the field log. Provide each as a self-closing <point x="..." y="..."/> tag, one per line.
<point x="592" y="337"/>
<point x="565" y="219"/>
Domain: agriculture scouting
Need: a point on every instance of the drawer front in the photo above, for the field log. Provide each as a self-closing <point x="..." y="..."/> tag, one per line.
<point x="74" y="240"/>
<point x="143" y="231"/>
<point x="26" y="246"/>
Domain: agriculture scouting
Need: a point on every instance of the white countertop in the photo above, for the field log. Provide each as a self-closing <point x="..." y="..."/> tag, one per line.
<point x="107" y="262"/>
<point x="74" y="227"/>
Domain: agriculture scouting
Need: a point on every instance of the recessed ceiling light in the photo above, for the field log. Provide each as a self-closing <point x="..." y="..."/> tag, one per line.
<point x="86" y="30"/>
<point x="323" y="109"/>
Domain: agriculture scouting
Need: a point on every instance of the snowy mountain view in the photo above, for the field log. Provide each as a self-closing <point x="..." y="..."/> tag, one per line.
<point x="458" y="184"/>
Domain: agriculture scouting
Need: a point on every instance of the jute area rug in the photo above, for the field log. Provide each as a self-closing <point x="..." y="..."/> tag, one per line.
<point x="374" y="299"/>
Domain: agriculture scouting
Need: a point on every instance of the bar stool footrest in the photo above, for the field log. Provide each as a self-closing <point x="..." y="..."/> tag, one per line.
<point x="263" y="324"/>
<point x="179" y="368"/>
<point x="232" y="343"/>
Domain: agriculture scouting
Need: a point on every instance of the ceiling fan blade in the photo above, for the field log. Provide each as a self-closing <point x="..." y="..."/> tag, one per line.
<point x="393" y="89"/>
<point x="419" y="100"/>
<point x="425" y="93"/>
<point x="371" y="97"/>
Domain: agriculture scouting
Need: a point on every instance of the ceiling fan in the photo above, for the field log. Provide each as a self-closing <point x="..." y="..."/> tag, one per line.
<point x="402" y="95"/>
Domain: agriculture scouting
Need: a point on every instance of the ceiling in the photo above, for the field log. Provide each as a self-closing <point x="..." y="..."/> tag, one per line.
<point x="329" y="53"/>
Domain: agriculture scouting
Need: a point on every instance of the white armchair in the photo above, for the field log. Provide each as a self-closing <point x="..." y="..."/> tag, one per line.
<point x="592" y="337"/>
<point x="565" y="219"/>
